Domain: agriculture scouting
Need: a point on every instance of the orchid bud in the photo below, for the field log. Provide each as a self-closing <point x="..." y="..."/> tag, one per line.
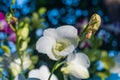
<point x="23" y="32"/>
<point x="23" y="46"/>
<point x="95" y="22"/>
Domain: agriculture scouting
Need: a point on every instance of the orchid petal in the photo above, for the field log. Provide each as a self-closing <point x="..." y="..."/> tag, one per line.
<point x="44" y="45"/>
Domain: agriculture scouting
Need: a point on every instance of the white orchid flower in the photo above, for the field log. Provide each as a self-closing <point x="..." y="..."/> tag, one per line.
<point x="116" y="68"/>
<point x="77" y="65"/>
<point x="15" y="66"/>
<point x="58" y="43"/>
<point x="42" y="73"/>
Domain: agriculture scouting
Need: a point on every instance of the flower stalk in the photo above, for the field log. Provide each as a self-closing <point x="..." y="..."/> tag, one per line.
<point x="12" y="18"/>
<point x="19" y="52"/>
<point x="57" y="64"/>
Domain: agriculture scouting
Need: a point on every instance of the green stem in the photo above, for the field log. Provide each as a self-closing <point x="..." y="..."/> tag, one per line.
<point x="54" y="68"/>
<point x="19" y="53"/>
<point x="12" y="27"/>
<point x="11" y="10"/>
<point x="17" y="41"/>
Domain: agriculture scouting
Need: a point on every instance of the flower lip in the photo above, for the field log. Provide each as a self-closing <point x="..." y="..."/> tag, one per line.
<point x="60" y="46"/>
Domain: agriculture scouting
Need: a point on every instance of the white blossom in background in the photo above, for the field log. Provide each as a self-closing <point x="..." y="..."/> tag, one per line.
<point x="116" y="68"/>
<point x="15" y="65"/>
<point x="77" y="65"/>
<point x="3" y="23"/>
<point x="42" y="73"/>
<point x="58" y="43"/>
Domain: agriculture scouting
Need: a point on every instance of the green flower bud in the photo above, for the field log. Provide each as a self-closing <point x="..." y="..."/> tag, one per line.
<point x="42" y="10"/>
<point x="6" y="50"/>
<point x="23" y="32"/>
<point x="24" y="45"/>
<point x="34" y="59"/>
<point x="95" y="22"/>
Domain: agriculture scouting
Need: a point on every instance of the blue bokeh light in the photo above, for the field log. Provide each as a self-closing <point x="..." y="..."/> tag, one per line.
<point x="4" y="8"/>
<point x="70" y="19"/>
<point x="85" y="13"/>
<point x="3" y="35"/>
<point x="114" y="43"/>
<point x="106" y="18"/>
<point x="100" y="65"/>
<point x="112" y="53"/>
<point x="67" y="2"/>
<point x="21" y="3"/>
<point x="78" y="12"/>
<point x="12" y="46"/>
<point x="104" y="35"/>
<point x="1" y="52"/>
<point x="113" y="77"/>
<point x="8" y="2"/>
<point x="45" y="24"/>
<point x="94" y="2"/>
<point x="39" y="32"/>
<point x="70" y="11"/>
<point x="24" y="7"/>
<point x="25" y="10"/>
<point x="62" y="11"/>
<point x="71" y="2"/>
<point x="100" y="12"/>
<point x="53" y="12"/>
<point x="54" y="21"/>
<point x="76" y="2"/>
<point x="53" y="16"/>
<point x="17" y="14"/>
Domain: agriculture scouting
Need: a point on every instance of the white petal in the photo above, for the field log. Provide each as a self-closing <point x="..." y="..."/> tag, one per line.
<point x="115" y="69"/>
<point x="77" y="66"/>
<point x="67" y="32"/>
<point x="44" y="45"/>
<point x="44" y="69"/>
<point x="78" y="71"/>
<point x="27" y="62"/>
<point x="15" y="68"/>
<point x="54" y="77"/>
<point x="35" y="74"/>
<point x="50" y="33"/>
<point x="45" y="73"/>
<point x="70" y="57"/>
<point x="82" y="59"/>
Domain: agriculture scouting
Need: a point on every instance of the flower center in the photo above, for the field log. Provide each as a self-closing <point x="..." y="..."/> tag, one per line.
<point x="58" y="47"/>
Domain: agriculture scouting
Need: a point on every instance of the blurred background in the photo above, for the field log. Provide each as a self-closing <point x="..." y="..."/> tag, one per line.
<point x="103" y="49"/>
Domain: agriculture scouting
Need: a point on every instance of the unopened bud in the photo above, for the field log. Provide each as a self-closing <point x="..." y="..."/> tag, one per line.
<point x="95" y="22"/>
